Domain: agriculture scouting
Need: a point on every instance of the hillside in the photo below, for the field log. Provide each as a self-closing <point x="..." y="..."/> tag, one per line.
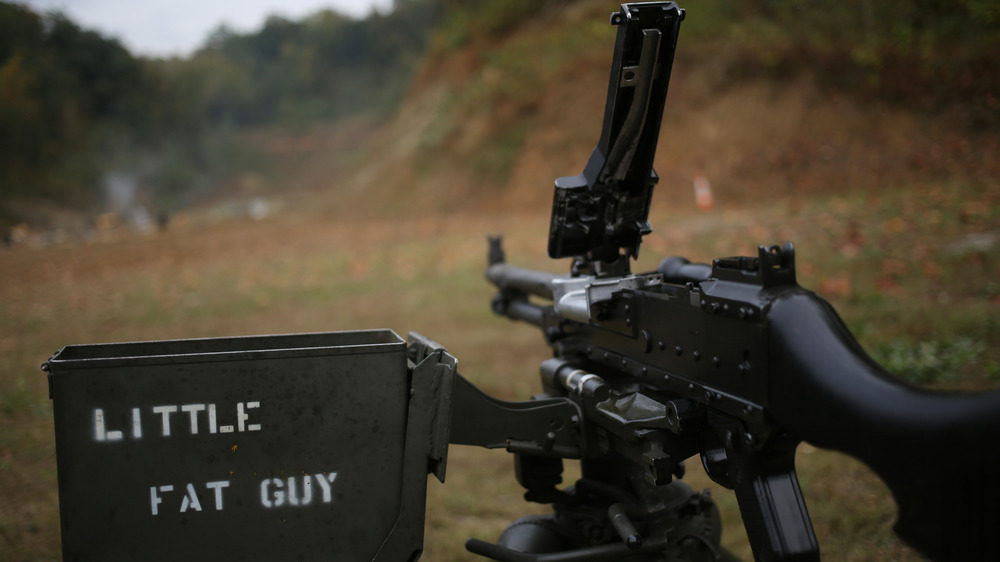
<point x="491" y="124"/>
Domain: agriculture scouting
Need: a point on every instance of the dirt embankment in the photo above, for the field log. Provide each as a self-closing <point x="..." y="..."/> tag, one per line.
<point x="489" y="127"/>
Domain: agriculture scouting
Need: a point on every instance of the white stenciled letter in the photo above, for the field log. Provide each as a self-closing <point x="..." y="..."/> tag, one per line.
<point x="100" y="429"/>
<point x="222" y="428"/>
<point x="190" y="500"/>
<point x="193" y="410"/>
<point x="278" y="494"/>
<point x="242" y="416"/>
<point x="165" y="411"/>
<point x="324" y="481"/>
<point x="307" y="493"/>
<point x="213" y="420"/>
<point x="218" y="486"/>
<point x="136" y="424"/>
<point x="154" y="498"/>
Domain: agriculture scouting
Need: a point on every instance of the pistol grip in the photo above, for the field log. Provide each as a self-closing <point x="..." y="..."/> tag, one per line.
<point x="775" y="514"/>
<point x="767" y="489"/>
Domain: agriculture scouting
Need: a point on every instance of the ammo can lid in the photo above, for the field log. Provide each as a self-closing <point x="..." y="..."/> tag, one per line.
<point x="200" y="350"/>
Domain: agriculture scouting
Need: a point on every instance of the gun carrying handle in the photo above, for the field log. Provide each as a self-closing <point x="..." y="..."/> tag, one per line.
<point x="936" y="452"/>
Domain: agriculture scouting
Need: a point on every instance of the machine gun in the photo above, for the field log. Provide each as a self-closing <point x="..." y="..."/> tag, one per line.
<point x="732" y="361"/>
<point x="318" y="446"/>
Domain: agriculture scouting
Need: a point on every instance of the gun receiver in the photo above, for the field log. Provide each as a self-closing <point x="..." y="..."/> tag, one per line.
<point x="733" y="361"/>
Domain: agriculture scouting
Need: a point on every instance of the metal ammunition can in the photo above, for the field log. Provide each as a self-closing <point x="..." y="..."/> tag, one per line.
<point x="287" y="447"/>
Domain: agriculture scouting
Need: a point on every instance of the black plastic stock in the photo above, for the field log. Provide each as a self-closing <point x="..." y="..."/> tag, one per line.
<point x="937" y="452"/>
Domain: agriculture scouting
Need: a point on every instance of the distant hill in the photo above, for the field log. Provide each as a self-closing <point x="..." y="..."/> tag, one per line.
<point x="768" y="99"/>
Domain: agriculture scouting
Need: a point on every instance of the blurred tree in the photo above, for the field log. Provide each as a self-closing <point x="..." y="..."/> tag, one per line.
<point x="928" y="54"/>
<point x="75" y="104"/>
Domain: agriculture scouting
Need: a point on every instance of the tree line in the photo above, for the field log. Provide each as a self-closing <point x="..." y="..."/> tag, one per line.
<point x="76" y="105"/>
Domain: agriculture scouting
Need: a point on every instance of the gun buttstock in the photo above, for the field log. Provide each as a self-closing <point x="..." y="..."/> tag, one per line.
<point x="935" y="451"/>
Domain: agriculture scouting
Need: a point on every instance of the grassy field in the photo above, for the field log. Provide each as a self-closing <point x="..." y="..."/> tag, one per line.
<point x="912" y="271"/>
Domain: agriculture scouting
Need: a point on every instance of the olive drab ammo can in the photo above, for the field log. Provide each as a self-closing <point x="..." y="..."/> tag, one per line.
<point x="267" y="448"/>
